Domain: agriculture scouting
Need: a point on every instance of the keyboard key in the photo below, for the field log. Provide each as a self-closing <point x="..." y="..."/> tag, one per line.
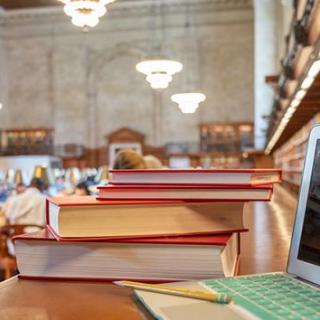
<point x="246" y="293"/>
<point x="316" y="317"/>
<point x="272" y="306"/>
<point x="306" y="313"/>
<point x="311" y="304"/>
<point x="291" y="295"/>
<point x="269" y="294"/>
<point x="291" y="317"/>
<point x="290" y="304"/>
<point x="281" y="312"/>
<point x="301" y="299"/>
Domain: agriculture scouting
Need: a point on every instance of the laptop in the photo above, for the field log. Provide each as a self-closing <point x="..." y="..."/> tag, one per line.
<point x="294" y="294"/>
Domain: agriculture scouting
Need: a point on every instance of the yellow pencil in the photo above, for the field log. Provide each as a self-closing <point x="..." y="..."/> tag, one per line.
<point x="181" y="292"/>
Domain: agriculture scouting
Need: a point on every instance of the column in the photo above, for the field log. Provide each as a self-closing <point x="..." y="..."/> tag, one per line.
<point x="266" y="63"/>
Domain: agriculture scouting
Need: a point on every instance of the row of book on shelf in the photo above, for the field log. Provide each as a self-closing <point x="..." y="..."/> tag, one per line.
<point x="157" y="226"/>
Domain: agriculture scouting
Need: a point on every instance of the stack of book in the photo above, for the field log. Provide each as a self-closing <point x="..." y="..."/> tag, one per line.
<point x="150" y="225"/>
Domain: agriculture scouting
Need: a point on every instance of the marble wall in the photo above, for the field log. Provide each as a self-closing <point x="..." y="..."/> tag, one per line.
<point x="85" y="84"/>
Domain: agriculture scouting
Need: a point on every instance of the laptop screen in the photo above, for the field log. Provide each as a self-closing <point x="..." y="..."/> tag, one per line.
<point x="309" y="248"/>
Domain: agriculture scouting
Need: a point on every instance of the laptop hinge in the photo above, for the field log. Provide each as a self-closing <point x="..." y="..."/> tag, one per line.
<point x="304" y="280"/>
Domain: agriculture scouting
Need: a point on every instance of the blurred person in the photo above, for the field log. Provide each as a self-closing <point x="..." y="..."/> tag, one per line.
<point x="58" y="188"/>
<point x="82" y="189"/>
<point x="20" y="188"/>
<point x="129" y="159"/>
<point x="28" y="207"/>
<point x="60" y="183"/>
<point x="152" y="162"/>
<point x="90" y="181"/>
<point x="4" y="192"/>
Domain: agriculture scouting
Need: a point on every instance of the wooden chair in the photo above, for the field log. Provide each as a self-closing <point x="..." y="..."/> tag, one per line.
<point x="7" y="261"/>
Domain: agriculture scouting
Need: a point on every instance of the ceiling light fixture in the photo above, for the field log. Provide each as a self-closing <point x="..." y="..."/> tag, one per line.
<point x="190" y="98"/>
<point x="85" y="13"/>
<point x="189" y="101"/>
<point x="300" y="94"/>
<point x="159" y="72"/>
<point x="157" y="68"/>
<point x="314" y="70"/>
<point x="307" y="82"/>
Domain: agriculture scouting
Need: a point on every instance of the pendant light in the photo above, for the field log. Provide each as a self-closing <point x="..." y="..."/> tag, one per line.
<point x="85" y="13"/>
<point x="158" y="68"/>
<point x="189" y="100"/>
<point x="159" y="71"/>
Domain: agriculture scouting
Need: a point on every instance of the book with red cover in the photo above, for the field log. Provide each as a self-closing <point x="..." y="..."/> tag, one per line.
<point x="77" y="217"/>
<point x="234" y="177"/>
<point x="148" y="259"/>
<point x="185" y="192"/>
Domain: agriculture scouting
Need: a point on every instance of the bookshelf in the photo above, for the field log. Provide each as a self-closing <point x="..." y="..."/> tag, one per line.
<point x="225" y="145"/>
<point x="226" y="137"/>
<point x="27" y="141"/>
<point x="290" y="156"/>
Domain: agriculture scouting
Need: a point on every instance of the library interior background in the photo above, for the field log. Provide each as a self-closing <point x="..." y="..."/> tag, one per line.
<point x="184" y="84"/>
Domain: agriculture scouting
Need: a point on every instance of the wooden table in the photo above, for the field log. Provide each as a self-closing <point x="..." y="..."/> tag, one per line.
<point x="264" y="248"/>
<point x="41" y="300"/>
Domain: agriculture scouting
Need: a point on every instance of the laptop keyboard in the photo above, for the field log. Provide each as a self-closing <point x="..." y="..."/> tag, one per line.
<point x="271" y="296"/>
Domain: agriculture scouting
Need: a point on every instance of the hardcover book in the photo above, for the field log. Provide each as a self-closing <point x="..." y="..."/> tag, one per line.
<point x="185" y="192"/>
<point x="157" y="259"/>
<point x="76" y="217"/>
<point x="234" y="177"/>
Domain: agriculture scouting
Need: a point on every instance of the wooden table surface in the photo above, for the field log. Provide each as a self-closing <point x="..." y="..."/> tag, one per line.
<point x="264" y="248"/>
<point x="41" y="300"/>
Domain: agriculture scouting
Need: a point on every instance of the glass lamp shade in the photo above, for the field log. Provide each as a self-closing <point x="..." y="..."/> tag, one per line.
<point x="43" y="173"/>
<point x="103" y="174"/>
<point x="84" y="20"/>
<point x="73" y="175"/>
<point x="159" y="72"/>
<point x="315" y="69"/>
<point x="159" y="80"/>
<point x="19" y="177"/>
<point x="188" y="107"/>
<point x="85" y="13"/>
<point x="188" y="102"/>
<point x="73" y="8"/>
<point x="9" y="176"/>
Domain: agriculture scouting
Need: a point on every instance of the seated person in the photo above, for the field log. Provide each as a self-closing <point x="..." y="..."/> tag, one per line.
<point x="82" y="189"/>
<point x="129" y="159"/>
<point x="152" y="162"/>
<point x="20" y="188"/>
<point x="28" y="207"/>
